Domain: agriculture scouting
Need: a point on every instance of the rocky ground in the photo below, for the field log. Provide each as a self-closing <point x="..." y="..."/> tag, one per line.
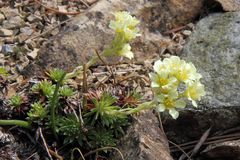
<point x="38" y="35"/>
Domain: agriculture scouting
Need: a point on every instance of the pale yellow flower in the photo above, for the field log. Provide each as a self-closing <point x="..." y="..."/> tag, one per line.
<point x="161" y="82"/>
<point x="184" y="72"/>
<point x="173" y="82"/>
<point x="170" y="102"/>
<point x="125" y="24"/>
<point x="173" y="63"/>
<point x="187" y="73"/>
<point x="194" y="92"/>
<point x="159" y="67"/>
<point x="126" y="51"/>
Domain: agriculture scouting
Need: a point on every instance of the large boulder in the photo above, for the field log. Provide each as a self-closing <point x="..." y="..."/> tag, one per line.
<point x="90" y="30"/>
<point x="230" y="5"/>
<point x="144" y="140"/>
<point x="215" y="51"/>
<point x="223" y="150"/>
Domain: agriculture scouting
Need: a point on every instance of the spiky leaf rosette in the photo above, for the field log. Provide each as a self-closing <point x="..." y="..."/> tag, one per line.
<point x="104" y="110"/>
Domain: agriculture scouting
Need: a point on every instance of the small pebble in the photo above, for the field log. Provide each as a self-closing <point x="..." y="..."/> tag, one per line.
<point x="32" y="18"/>
<point x="2" y="60"/>
<point x="13" y="22"/>
<point x="9" y="40"/>
<point x="21" y="38"/>
<point x="30" y="44"/>
<point x="26" y="30"/>
<point x="9" y="12"/>
<point x="32" y="55"/>
<point x="2" y="18"/>
<point x="5" y="32"/>
<point x="7" y="48"/>
<point x="187" y="32"/>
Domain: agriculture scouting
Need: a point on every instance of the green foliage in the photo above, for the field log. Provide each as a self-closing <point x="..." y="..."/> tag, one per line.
<point x="105" y="120"/>
<point x="65" y="91"/>
<point x="105" y="110"/>
<point x="46" y="87"/>
<point x="101" y="137"/>
<point x="37" y="112"/>
<point x="16" y="101"/>
<point x="55" y="74"/>
<point x="118" y="126"/>
<point x="54" y="100"/>
<point x="71" y="128"/>
<point x="3" y="72"/>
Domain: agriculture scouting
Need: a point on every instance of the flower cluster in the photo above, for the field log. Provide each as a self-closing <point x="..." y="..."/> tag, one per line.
<point x="173" y="82"/>
<point x="125" y="27"/>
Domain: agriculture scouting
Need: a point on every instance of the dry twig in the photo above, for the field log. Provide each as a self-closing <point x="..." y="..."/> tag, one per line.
<point x="180" y="149"/>
<point x="198" y="145"/>
<point x="211" y="140"/>
<point x="56" y="155"/>
<point x="44" y="143"/>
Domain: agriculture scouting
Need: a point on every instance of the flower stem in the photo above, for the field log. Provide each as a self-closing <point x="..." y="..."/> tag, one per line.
<point x="143" y="106"/>
<point x="92" y="61"/>
<point x="54" y="103"/>
<point x="11" y="122"/>
<point x="84" y="87"/>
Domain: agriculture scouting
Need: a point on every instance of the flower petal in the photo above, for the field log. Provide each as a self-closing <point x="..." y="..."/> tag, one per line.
<point x="174" y="113"/>
<point x="126" y="51"/>
<point x="157" y="65"/>
<point x="154" y="79"/>
<point x="194" y="103"/>
<point x="160" y="98"/>
<point x="173" y="94"/>
<point x="161" y="108"/>
<point x="180" y="104"/>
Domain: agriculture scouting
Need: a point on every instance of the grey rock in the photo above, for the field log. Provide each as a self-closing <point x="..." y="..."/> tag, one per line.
<point x="6" y="138"/>
<point x="15" y="147"/>
<point x="6" y="151"/>
<point x="144" y="140"/>
<point x="215" y="51"/>
<point x="5" y="32"/>
<point x="90" y="30"/>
